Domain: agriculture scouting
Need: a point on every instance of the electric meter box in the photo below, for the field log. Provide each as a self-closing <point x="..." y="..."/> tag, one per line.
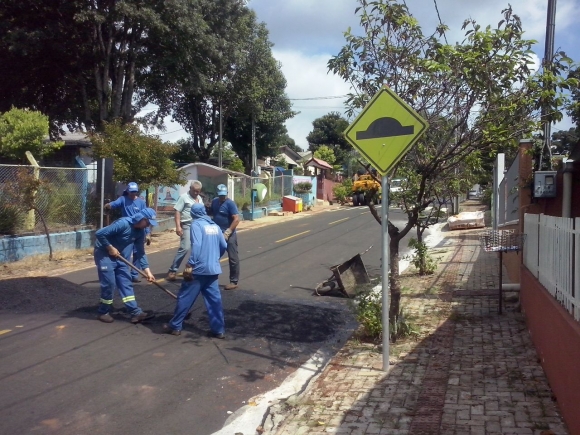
<point x="545" y="184"/>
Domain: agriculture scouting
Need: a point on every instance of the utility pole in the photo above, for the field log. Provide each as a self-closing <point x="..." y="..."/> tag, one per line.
<point x="547" y="65"/>
<point x="220" y="146"/>
<point x="254" y="156"/>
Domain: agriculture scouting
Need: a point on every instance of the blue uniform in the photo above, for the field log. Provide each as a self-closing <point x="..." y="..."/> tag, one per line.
<point x="207" y="246"/>
<point x="130" y="207"/>
<point x="223" y="212"/>
<point x="113" y="272"/>
<point x="223" y="215"/>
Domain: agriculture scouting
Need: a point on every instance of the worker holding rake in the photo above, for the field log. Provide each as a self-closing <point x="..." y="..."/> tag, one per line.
<point x="122" y="238"/>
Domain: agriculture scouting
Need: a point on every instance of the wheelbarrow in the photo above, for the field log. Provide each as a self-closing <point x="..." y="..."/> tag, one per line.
<point x="345" y="278"/>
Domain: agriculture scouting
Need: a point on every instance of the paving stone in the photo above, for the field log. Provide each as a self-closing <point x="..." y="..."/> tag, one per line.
<point x="475" y="374"/>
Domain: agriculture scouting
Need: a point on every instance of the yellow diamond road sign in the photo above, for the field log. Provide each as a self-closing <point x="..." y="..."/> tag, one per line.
<point x="385" y="130"/>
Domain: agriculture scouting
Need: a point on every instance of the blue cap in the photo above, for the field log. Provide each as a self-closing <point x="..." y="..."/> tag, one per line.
<point x="198" y="210"/>
<point x="132" y="187"/>
<point x="222" y="190"/>
<point x="149" y="214"/>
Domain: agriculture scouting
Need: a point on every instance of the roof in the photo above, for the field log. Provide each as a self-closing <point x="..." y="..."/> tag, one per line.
<point x="211" y="171"/>
<point x="287" y="158"/>
<point x="318" y="163"/>
<point x="77" y="138"/>
<point x="290" y="153"/>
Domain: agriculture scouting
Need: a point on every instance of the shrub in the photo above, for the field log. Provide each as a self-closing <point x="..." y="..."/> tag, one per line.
<point x="368" y="308"/>
<point x="423" y="262"/>
<point x="303" y="187"/>
<point x="11" y="217"/>
<point x="343" y="191"/>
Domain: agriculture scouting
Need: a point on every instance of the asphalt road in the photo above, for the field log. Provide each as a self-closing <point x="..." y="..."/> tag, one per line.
<point x="63" y="372"/>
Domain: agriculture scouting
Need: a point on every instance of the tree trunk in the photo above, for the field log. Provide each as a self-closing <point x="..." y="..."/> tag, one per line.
<point x="47" y="232"/>
<point x="394" y="282"/>
<point x="420" y="252"/>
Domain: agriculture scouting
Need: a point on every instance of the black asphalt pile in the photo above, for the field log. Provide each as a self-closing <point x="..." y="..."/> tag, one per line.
<point x="42" y="294"/>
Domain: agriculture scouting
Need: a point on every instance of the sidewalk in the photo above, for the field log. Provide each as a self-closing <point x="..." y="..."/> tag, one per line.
<point x="476" y="372"/>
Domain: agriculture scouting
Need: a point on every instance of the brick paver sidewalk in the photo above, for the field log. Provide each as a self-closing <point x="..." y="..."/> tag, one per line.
<point x="477" y="373"/>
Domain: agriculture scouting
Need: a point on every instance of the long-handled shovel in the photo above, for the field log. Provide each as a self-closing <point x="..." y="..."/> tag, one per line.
<point x="145" y="276"/>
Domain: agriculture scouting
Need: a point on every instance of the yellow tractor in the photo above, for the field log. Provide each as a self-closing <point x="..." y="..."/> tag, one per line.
<point x="365" y="190"/>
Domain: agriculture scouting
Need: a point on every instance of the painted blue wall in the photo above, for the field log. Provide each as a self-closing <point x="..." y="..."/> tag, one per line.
<point x="16" y="248"/>
<point x="307" y="198"/>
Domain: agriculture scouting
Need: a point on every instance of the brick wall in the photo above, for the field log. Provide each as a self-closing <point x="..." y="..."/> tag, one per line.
<point x="556" y="336"/>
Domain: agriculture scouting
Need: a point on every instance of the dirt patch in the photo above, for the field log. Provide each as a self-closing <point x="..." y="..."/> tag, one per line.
<point x="69" y="261"/>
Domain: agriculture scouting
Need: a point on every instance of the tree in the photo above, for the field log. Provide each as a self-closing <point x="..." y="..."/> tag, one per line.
<point x="574" y="108"/>
<point x="19" y="195"/>
<point x="230" y="159"/>
<point x="25" y="130"/>
<point x="290" y="143"/>
<point x="477" y="96"/>
<point x="137" y="157"/>
<point x="563" y="141"/>
<point x="260" y="99"/>
<point x="329" y="130"/>
<point x="325" y="153"/>
<point x="86" y="63"/>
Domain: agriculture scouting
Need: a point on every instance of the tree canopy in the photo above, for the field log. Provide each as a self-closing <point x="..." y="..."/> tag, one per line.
<point x="25" y="130"/>
<point x="329" y="130"/>
<point x="88" y="63"/>
<point x="574" y="108"/>
<point x="478" y="96"/>
<point x="138" y="157"/>
<point x="564" y="140"/>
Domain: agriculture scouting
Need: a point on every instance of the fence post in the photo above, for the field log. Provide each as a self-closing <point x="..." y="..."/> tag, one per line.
<point x="30" y="219"/>
<point x="84" y="189"/>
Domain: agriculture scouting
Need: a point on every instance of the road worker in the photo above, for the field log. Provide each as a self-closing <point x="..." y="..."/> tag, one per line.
<point x="129" y="203"/>
<point x="225" y="214"/>
<point x="182" y="222"/>
<point x="201" y="274"/>
<point x="122" y="238"/>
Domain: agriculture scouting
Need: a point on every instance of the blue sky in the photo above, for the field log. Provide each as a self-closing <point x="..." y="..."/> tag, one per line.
<point x="306" y="33"/>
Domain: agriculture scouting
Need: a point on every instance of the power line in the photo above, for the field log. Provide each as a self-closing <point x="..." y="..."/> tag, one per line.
<point x="440" y="22"/>
<point x="169" y="132"/>
<point x="318" y="98"/>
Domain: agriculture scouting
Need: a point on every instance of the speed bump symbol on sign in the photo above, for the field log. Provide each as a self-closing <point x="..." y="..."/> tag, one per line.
<point x="385" y="130"/>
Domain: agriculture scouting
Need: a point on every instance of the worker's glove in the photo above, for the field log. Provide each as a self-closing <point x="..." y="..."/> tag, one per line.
<point x="148" y="239"/>
<point x="188" y="273"/>
<point x="108" y="206"/>
<point x="113" y="252"/>
<point x="227" y="234"/>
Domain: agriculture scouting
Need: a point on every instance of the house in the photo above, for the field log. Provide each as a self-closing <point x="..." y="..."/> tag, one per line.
<point x="323" y="173"/>
<point x="76" y="144"/>
<point x="545" y="206"/>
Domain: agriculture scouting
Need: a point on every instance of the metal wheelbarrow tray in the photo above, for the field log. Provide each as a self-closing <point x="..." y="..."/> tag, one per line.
<point x="345" y="278"/>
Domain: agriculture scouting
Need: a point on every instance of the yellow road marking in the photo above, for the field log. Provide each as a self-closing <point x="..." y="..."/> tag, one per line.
<point x="5" y="331"/>
<point x="340" y="220"/>
<point x="291" y="237"/>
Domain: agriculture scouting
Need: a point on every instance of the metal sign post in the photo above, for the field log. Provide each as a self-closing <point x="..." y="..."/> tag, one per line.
<point x="383" y="133"/>
<point x="385" y="266"/>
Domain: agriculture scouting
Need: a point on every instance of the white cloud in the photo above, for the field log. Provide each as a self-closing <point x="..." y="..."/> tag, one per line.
<point x="307" y="33"/>
<point x="307" y="77"/>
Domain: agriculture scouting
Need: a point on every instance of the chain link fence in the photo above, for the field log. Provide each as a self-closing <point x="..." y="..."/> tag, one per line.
<point x="276" y="188"/>
<point x="65" y="198"/>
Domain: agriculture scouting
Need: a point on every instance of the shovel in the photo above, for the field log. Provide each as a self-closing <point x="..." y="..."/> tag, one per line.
<point x="145" y="276"/>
